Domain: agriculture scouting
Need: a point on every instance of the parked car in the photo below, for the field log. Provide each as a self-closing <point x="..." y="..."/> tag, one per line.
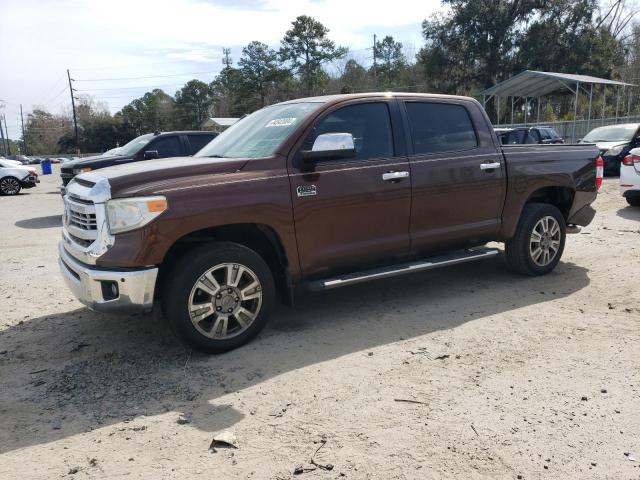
<point x="145" y="147"/>
<point x="15" y="176"/>
<point x="522" y="135"/>
<point x="614" y="143"/>
<point x="630" y="177"/>
<point x="111" y="153"/>
<point x="317" y="193"/>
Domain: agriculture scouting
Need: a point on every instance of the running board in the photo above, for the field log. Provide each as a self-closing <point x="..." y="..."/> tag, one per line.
<point x="459" y="256"/>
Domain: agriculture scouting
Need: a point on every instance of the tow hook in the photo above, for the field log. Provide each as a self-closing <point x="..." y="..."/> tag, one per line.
<point x="573" y="229"/>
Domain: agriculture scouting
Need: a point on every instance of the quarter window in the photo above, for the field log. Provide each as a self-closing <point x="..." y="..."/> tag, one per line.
<point x="440" y="127"/>
<point x="370" y="125"/>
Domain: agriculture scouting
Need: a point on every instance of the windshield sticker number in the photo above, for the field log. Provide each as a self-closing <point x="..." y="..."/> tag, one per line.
<point x="281" y="122"/>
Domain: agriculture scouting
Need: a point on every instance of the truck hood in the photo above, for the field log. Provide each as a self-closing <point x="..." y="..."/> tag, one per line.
<point x="603" y="146"/>
<point x="93" y="162"/>
<point x="139" y="178"/>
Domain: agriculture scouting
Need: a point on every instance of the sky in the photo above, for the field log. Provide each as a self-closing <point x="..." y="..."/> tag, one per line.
<point x="118" y="49"/>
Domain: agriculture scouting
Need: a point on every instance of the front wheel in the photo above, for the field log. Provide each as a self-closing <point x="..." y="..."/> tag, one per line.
<point x="538" y="243"/>
<point x="218" y="296"/>
<point x="9" y="186"/>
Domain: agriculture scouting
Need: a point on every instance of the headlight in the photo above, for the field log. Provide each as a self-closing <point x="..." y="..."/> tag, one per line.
<point x="125" y="214"/>
<point x="612" y="152"/>
<point x="77" y="171"/>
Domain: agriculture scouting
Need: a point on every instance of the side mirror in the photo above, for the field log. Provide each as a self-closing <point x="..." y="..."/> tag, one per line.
<point x="329" y="146"/>
<point x="548" y="141"/>
<point x="151" y="155"/>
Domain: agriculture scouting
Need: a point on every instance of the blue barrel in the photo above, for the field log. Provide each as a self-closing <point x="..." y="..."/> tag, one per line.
<point x="46" y="167"/>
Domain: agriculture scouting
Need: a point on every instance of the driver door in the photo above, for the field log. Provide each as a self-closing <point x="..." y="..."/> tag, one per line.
<point x="348" y="214"/>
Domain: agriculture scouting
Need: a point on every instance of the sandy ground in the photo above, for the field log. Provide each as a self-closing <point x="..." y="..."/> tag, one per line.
<point x="516" y="377"/>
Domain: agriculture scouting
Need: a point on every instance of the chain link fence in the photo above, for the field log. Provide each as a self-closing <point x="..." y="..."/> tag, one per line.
<point x="565" y="129"/>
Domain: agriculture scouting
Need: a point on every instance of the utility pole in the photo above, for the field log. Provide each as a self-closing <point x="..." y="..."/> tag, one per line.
<point x="4" y="145"/>
<point x="227" y="59"/>
<point x="375" y="63"/>
<point x="24" y="137"/>
<point x="6" y="131"/>
<point x="73" y="106"/>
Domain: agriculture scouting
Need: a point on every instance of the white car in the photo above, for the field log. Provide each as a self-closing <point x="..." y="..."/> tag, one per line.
<point x="14" y="178"/>
<point x="630" y="177"/>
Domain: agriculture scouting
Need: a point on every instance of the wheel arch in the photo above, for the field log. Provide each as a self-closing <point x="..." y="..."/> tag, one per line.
<point x="261" y="238"/>
<point x="560" y="197"/>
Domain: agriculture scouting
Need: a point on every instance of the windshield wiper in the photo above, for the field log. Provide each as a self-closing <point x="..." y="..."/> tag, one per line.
<point x="216" y="156"/>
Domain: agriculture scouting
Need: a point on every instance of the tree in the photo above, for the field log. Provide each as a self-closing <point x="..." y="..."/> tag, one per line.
<point x="44" y="129"/>
<point x="354" y="77"/>
<point x="193" y="104"/>
<point x="392" y="60"/>
<point x="226" y="90"/>
<point x="564" y="37"/>
<point x="306" y="48"/>
<point x="154" y="111"/>
<point x="259" y="70"/>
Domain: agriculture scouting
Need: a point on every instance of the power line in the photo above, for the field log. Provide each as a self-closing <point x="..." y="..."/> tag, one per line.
<point x="140" y="78"/>
<point x="130" y="88"/>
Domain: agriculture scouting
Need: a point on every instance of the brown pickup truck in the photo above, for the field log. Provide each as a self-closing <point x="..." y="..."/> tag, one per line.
<point x="317" y="193"/>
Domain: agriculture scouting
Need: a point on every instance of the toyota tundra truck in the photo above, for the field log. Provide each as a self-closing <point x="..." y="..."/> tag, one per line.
<point x="317" y="193"/>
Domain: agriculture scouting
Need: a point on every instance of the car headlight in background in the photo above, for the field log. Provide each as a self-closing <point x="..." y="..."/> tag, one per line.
<point x="125" y="214"/>
<point x="77" y="171"/>
<point x="612" y="152"/>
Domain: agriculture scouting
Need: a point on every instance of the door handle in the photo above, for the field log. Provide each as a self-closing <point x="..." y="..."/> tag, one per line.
<point x="489" y="166"/>
<point x="391" y="176"/>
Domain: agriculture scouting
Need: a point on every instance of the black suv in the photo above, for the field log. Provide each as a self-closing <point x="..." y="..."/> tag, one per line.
<point x="144" y="147"/>
<point x="520" y="135"/>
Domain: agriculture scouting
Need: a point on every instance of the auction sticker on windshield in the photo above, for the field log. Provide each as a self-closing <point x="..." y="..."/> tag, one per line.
<point x="281" y="122"/>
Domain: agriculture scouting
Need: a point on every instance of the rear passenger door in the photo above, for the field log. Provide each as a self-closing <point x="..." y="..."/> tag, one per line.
<point x="457" y="175"/>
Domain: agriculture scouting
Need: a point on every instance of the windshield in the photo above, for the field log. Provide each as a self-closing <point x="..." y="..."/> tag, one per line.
<point x="135" y="145"/>
<point x="111" y="153"/>
<point x="259" y="134"/>
<point x="615" y="133"/>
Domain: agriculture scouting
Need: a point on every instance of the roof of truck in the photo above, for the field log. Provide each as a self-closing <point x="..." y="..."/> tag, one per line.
<point x="349" y="96"/>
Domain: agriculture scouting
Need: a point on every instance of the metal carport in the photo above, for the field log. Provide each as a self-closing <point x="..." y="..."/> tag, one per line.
<point x="535" y="84"/>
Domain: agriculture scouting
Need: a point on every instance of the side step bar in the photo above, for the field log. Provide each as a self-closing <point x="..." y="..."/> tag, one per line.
<point x="459" y="256"/>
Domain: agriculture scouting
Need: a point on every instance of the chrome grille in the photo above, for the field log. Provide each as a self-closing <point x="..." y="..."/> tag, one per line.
<point x="80" y="220"/>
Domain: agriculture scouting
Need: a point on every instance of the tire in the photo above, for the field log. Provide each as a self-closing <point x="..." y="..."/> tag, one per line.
<point x="209" y="283"/>
<point x="9" y="186"/>
<point x="633" y="201"/>
<point x="525" y="253"/>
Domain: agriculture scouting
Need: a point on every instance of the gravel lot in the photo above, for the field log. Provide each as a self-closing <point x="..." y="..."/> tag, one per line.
<point x="509" y="377"/>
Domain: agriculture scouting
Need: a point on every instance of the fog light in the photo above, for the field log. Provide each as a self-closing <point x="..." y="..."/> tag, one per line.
<point x="109" y="290"/>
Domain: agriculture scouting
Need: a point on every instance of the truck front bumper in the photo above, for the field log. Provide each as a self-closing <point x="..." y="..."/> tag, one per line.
<point x="127" y="291"/>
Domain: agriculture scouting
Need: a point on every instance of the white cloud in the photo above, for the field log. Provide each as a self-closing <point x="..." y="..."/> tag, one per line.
<point x="125" y="38"/>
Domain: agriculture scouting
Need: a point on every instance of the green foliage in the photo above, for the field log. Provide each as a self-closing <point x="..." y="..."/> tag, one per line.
<point x="306" y="47"/>
<point x="193" y="104"/>
<point x="259" y="70"/>
<point x="154" y="111"/>
<point x="391" y="60"/>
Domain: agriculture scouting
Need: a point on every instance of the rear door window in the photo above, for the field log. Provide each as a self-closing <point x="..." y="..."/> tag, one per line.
<point x="166" y="147"/>
<point x="440" y="127"/>
<point x="196" y="142"/>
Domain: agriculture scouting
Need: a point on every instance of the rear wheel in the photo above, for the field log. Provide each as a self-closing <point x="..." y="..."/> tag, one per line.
<point x="9" y="186"/>
<point x="538" y="243"/>
<point x="218" y="296"/>
<point x="634" y="201"/>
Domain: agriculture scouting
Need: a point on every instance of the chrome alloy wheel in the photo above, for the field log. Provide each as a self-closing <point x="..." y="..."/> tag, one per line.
<point x="9" y="186"/>
<point x="544" y="242"/>
<point x="225" y="301"/>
